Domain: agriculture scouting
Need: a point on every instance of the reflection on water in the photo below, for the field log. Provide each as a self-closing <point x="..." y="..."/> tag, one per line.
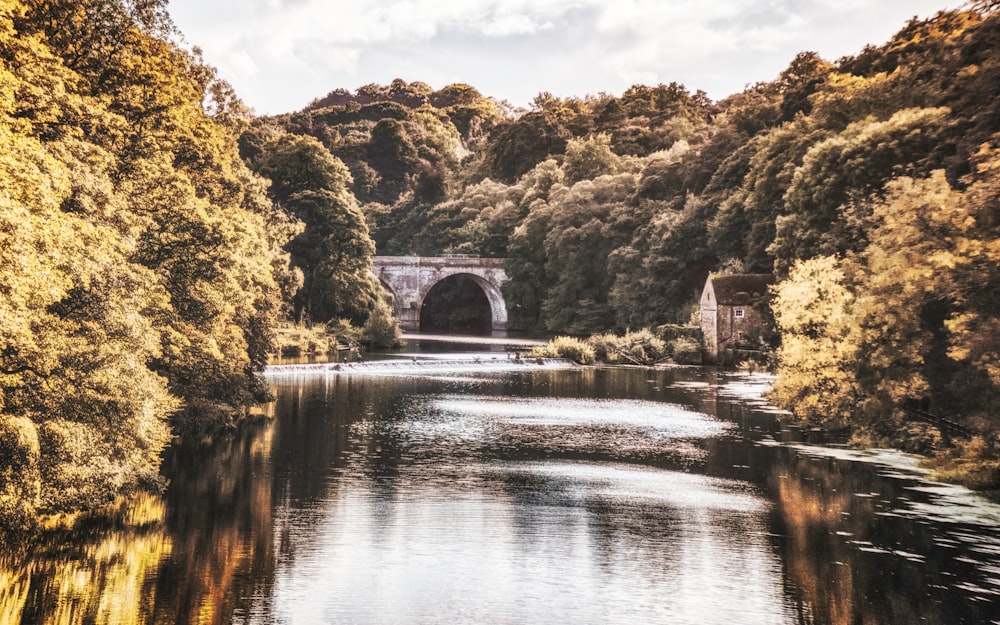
<point x="485" y="494"/>
<point x="95" y="575"/>
<point x="546" y="544"/>
<point x="186" y="557"/>
<point x="858" y="545"/>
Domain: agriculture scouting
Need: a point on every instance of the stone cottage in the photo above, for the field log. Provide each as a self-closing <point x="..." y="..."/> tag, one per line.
<point x="733" y="313"/>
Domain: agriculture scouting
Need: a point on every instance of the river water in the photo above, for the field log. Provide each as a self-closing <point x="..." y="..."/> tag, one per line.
<point x="468" y="488"/>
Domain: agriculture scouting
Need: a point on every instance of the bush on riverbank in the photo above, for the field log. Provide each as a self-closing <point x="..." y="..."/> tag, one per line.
<point x="974" y="463"/>
<point x="638" y="348"/>
<point x="293" y="340"/>
<point x="685" y="351"/>
<point x="381" y="329"/>
<point x="574" y="349"/>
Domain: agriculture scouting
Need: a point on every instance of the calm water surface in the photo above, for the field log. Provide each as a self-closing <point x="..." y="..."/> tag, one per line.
<point x="463" y="489"/>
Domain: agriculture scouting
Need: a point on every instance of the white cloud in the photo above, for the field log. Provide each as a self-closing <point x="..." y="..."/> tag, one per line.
<point x="279" y="54"/>
<point x="242" y="62"/>
<point x="314" y="53"/>
<point x="508" y="25"/>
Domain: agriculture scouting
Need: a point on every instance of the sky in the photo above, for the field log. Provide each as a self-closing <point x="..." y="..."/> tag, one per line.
<point x="280" y="55"/>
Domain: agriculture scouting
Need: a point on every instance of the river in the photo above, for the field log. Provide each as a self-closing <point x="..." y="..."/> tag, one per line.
<point x="458" y="487"/>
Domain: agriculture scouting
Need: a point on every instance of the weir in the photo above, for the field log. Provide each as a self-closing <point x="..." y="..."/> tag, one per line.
<point x="419" y="366"/>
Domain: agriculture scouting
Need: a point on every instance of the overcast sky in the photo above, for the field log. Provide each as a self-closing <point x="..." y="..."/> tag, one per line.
<point x="281" y="54"/>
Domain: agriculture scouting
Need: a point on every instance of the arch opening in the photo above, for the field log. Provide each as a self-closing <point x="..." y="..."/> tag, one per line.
<point x="457" y="305"/>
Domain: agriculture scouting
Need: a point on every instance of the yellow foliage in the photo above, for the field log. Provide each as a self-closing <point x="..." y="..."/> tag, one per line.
<point x="813" y="311"/>
<point x="136" y="267"/>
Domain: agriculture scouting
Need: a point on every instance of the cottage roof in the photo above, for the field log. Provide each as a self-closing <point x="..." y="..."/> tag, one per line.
<point x="740" y="289"/>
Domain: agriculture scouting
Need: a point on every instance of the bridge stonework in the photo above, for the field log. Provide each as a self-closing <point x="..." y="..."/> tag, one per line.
<point x="410" y="278"/>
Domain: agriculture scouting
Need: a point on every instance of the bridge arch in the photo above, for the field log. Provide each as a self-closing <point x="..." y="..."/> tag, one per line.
<point x="466" y="312"/>
<point x="411" y="278"/>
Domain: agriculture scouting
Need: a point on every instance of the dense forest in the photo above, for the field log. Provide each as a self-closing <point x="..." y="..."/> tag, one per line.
<point x="153" y="232"/>
<point x="143" y="264"/>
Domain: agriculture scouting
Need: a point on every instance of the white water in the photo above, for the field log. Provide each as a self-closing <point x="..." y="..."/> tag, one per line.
<point x="453" y="363"/>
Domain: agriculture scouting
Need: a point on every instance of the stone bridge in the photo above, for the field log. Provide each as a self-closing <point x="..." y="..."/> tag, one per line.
<point x="411" y="278"/>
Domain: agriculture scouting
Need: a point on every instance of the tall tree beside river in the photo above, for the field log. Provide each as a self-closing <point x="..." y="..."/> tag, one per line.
<point x="136" y="263"/>
<point x="334" y="249"/>
<point x="912" y="317"/>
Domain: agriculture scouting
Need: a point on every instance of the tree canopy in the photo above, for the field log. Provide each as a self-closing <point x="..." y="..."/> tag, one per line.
<point x="138" y="262"/>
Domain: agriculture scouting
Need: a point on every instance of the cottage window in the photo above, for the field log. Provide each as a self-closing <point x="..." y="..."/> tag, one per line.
<point x="738" y="313"/>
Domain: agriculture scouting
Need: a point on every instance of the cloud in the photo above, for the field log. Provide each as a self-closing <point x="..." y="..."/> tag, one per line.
<point x="279" y="54"/>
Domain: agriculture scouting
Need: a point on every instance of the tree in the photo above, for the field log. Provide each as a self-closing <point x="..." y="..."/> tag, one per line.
<point x="589" y="158"/>
<point x="588" y="222"/>
<point x="334" y="248"/>
<point x="911" y="318"/>
<point x="392" y="154"/>
<point x="514" y="148"/>
<point x="819" y="344"/>
<point x="850" y="166"/>
<point x="798" y="81"/>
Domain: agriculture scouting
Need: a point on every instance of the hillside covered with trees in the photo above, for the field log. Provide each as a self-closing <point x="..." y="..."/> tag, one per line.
<point x="868" y="185"/>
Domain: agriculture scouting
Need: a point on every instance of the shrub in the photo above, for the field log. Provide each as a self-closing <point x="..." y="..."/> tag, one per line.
<point x="638" y="348"/>
<point x="567" y="347"/>
<point x="643" y="347"/>
<point x="296" y="340"/>
<point x="685" y="351"/>
<point x="974" y="463"/>
<point x="381" y="329"/>
<point x="607" y="347"/>
<point x="342" y="332"/>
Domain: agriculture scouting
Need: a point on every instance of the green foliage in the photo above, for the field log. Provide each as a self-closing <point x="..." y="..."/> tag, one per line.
<point x="516" y="147"/>
<point x="662" y="272"/>
<point x="333" y="249"/>
<point x="381" y="329"/>
<point x="294" y="340"/>
<point x="401" y="142"/>
<point x="136" y="263"/>
<point x="296" y="164"/>
<point x="638" y="348"/>
<point x="589" y="158"/>
<point x="820" y="344"/>
<point x="685" y="350"/>
<point x="973" y="463"/>
<point x="20" y="477"/>
<point x="568" y="347"/>
<point x="910" y="317"/>
<point x="855" y="163"/>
